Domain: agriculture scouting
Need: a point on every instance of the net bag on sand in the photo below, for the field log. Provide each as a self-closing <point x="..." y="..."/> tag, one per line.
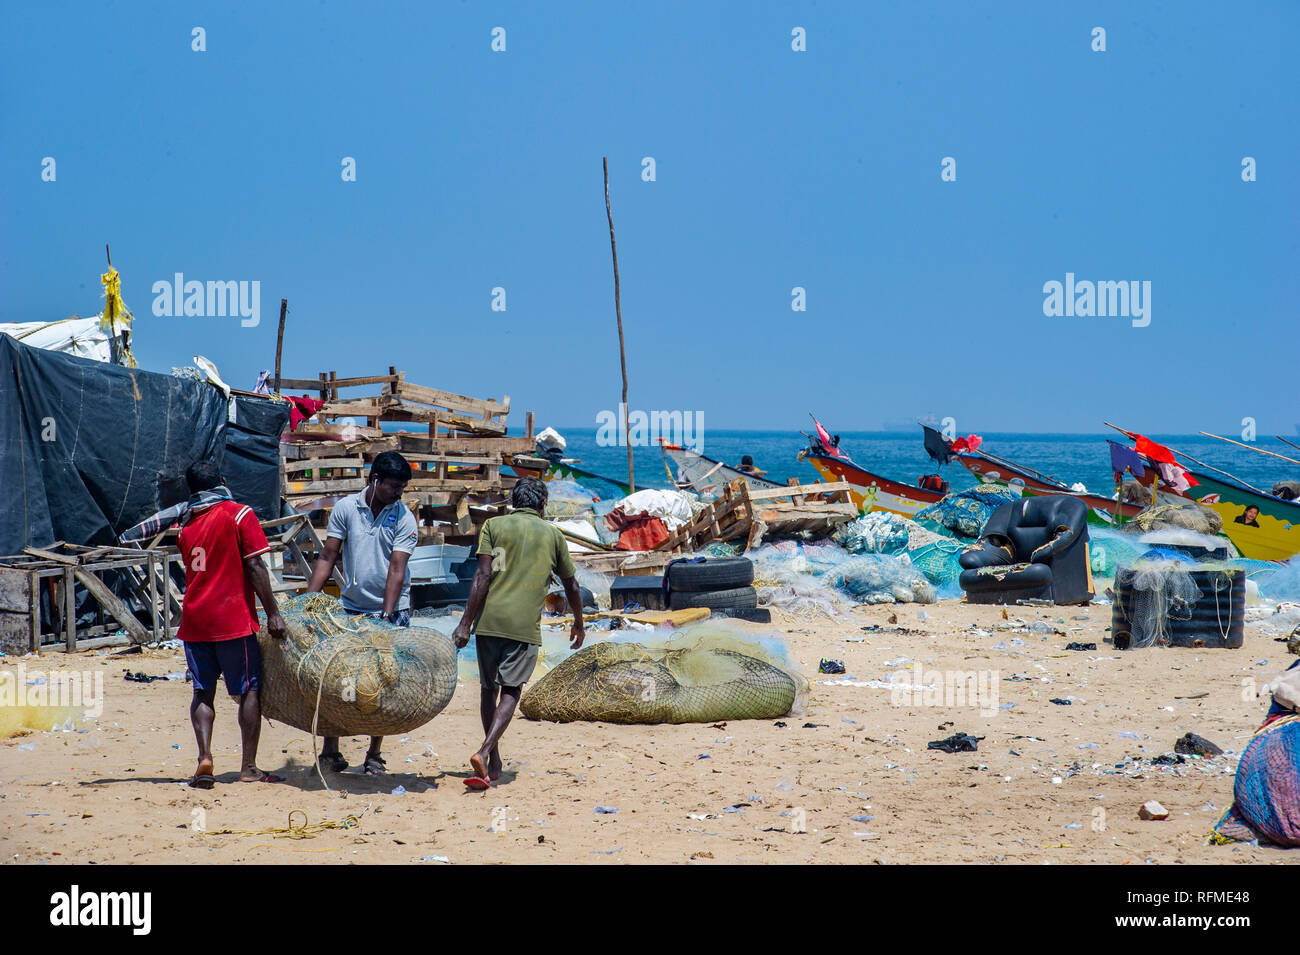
<point x="357" y="676"/>
<point x="693" y="680"/>
<point x="1266" y="791"/>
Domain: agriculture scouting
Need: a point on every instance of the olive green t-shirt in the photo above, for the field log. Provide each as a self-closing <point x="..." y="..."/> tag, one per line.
<point x="525" y="551"/>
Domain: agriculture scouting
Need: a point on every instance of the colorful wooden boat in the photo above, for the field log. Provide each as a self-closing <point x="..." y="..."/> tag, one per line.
<point x="989" y="469"/>
<point x="563" y="469"/>
<point x="870" y="492"/>
<point x="1277" y="536"/>
<point x="704" y="475"/>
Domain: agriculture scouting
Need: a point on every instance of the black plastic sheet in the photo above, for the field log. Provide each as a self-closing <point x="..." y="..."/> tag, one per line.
<point x="88" y="449"/>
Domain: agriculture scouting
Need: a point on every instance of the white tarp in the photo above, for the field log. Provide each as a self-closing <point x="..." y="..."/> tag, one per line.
<point x="672" y="507"/>
<point x="73" y="336"/>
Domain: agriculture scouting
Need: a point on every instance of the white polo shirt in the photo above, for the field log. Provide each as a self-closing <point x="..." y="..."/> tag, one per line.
<point x="368" y="545"/>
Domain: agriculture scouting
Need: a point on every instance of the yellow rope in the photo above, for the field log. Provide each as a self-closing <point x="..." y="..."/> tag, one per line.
<point x="304" y="830"/>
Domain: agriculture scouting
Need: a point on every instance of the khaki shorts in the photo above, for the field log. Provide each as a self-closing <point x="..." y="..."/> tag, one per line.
<point x="504" y="662"/>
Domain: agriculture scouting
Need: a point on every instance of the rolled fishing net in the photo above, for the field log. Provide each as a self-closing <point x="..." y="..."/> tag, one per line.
<point x="1162" y="592"/>
<point x="698" y="677"/>
<point x="338" y="674"/>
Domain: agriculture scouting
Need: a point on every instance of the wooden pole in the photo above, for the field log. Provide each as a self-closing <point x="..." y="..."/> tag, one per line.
<point x="279" y="344"/>
<point x="618" y="312"/>
<point x="1250" y="447"/>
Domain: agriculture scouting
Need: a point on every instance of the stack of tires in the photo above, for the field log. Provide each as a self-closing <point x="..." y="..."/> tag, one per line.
<point x="722" y="584"/>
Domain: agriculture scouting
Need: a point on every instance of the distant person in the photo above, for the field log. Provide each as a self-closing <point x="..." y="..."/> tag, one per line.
<point x="375" y="533"/>
<point x="222" y="545"/>
<point x="1248" y="516"/>
<point x="746" y="464"/>
<point x="517" y="554"/>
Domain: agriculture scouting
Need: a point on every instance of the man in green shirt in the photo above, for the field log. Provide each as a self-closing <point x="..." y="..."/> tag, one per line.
<point x="517" y="554"/>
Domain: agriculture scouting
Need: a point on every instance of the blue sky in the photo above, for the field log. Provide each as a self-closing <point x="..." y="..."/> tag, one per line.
<point x="775" y="169"/>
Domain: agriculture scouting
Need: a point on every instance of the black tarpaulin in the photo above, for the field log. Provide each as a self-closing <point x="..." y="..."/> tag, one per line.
<point x="88" y="449"/>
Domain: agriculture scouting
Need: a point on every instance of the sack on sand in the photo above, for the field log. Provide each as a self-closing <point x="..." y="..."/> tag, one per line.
<point x="354" y="675"/>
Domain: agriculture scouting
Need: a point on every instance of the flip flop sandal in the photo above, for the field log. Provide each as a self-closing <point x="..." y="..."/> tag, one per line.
<point x="375" y="766"/>
<point x="334" y="762"/>
<point x="265" y="778"/>
<point x="202" y="782"/>
<point x="478" y="784"/>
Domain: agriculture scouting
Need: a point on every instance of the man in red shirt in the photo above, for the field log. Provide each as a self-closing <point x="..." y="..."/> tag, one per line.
<point x="222" y="545"/>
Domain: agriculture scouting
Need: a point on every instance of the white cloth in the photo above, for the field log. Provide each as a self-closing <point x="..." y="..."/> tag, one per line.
<point x="671" y="507"/>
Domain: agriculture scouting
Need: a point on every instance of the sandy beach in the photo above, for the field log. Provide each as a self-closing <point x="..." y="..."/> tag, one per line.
<point x="1049" y="783"/>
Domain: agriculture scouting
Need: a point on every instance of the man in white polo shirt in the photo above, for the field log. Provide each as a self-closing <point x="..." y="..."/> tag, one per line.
<point x="375" y="533"/>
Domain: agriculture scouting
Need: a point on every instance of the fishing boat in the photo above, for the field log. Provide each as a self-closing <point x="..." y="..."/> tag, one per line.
<point x="1272" y="532"/>
<point x="1275" y="533"/>
<point x="704" y="475"/>
<point x="565" y="469"/>
<point x="870" y="492"/>
<point x="991" y="469"/>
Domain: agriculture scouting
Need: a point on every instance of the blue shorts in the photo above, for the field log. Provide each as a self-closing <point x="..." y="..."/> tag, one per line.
<point x="401" y="618"/>
<point x="239" y="660"/>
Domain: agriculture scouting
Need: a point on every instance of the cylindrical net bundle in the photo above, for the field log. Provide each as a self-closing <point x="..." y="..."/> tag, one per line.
<point x="688" y="681"/>
<point x="353" y="675"/>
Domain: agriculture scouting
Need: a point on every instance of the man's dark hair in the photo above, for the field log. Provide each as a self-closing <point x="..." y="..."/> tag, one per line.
<point x="203" y="476"/>
<point x="390" y="464"/>
<point x="746" y="461"/>
<point x="529" y="492"/>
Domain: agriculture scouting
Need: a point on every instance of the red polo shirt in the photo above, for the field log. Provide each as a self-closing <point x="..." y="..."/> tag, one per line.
<point x="218" y="594"/>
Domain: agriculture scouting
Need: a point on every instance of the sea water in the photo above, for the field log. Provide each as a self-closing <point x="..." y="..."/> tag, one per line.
<point x="901" y="456"/>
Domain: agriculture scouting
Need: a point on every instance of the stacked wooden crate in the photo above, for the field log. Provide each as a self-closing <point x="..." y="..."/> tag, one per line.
<point x="457" y="447"/>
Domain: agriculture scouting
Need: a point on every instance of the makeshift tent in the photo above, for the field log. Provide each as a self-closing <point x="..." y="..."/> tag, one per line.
<point x="83" y="337"/>
<point x="88" y="449"/>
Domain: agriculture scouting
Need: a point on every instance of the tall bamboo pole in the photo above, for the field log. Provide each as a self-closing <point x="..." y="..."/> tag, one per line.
<point x="279" y="344"/>
<point x="618" y="312"/>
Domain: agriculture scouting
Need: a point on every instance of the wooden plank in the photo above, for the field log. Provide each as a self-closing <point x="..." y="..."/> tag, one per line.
<point x="336" y="382"/>
<point x="332" y="463"/>
<point x="108" y="600"/>
<point x="69" y="611"/>
<point x="763" y="494"/>
<point x="452" y="401"/>
<point x="348" y="432"/>
<point x="51" y="555"/>
<point x="360" y="408"/>
<point x="303" y="384"/>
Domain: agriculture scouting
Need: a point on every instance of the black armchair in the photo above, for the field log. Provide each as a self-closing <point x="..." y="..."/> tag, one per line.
<point x="1033" y="548"/>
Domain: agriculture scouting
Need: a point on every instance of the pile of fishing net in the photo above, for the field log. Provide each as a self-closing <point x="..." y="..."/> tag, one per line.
<point x="966" y="512"/>
<point x="934" y="555"/>
<point x="568" y="500"/>
<point x="1159" y="593"/>
<point x="337" y="674"/>
<point x="1179" y="513"/>
<point x="883" y="579"/>
<point x="704" y="674"/>
<point x="823" y="579"/>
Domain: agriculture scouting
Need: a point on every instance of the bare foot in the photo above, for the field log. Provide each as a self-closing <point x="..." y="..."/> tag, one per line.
<point x="494" y="766"/>
<point x="479" y="766"/>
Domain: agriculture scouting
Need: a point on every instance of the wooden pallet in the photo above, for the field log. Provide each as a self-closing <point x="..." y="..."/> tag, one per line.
<point x="746" y="514"/>
<point x="457" y="448"/>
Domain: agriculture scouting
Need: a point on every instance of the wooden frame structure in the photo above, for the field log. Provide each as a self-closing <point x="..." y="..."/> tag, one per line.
<point x="743" y="513"/>
<point x="457" y="448"/>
